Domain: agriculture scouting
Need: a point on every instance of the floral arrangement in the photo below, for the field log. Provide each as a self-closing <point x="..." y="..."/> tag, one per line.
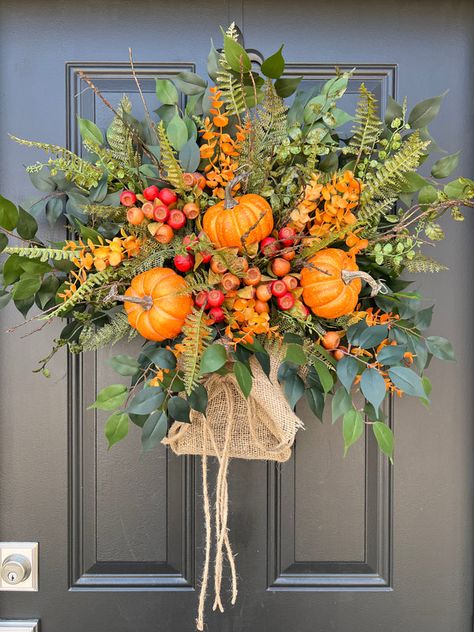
<point x="246" y="221"/>
<point x="255" y="239"/>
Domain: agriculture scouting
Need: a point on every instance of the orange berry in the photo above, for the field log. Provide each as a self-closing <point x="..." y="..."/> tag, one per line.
<point x="288" y="256"/>
<point x="218" y="266"/>
<point x="338" y="354"/>
<point x="147" y="210"/>
<point x="191" y="210"/>
<point x="264" y="292"/>
<point x="280" y="267"/>
<point x="291" y="282"/>
<point x="230" y="282"/>
<point x="331" y="340"/>
<point x="241" y="264"/>
<point x="135" y="215"/>
<point x="164" y="234"/>
<point x="252" y="276"/>
<point x="261" y="306"/>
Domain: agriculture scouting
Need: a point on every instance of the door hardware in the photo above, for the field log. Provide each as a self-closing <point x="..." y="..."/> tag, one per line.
<point x="19" y="566"/>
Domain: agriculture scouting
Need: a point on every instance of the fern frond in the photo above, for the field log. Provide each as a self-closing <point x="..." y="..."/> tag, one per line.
<point x="367" y="127"/>
<point x="371" y="214"/>
<point x="119" y="136"/>
<point x="231" y="87"/>
<point x="92" y="338"/>
<point x="320" y="243"/>
<point x="106" y="213"/>
<point x="43" y="254"/>
<point x="196" y="282"/>
<point x="173" y="171"/>
<point x="126" y="174"/>
<point x="75" y="168"/>
<point x="388" y="180"/>
<point x="82" y="293"/>
<point x="268" y="130"/>
<point x="422" y="263"/>
<point x="196" y="336"/>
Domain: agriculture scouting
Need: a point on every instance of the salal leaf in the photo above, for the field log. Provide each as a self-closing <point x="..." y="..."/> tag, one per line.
<point x="179" y="409"/>
<point x="236" y="56"/>
<point x="372" y="336"/>
<point x="286" y="86"/>
<point x="198" y="398"/>
<point x="325" y="375"/>
<point x="146" y="401"/>
<point x="293" y="388"/>
<point x="8" y="214"/>
<point x="166" y="92"/>
<point x="341" y="403"/>
<point x="116" y="428"/>
<point x="110" y="397"/>
<point x="90" y="132"/>
<point x="295" y="353"/>
<point x="407" y="380"/>
<point x="315" y="400"/>
<point x="391" y="355"/>
<point x="274" y="65"/>
<point x="347" y="369"/>
<point x="372" y="386"/>
<point x="425" y="112"/>
<point x="352" y="428"/>
<point x="244" y="377"/>
<point x="440" y="347"/>
<point x="384" y="437"/>
<point x="445" y="166"/>
<point x="124" y="364"/>
<point x="154" y="430"/>
<point x="27" y="225"/>
<point x="213" y="359"/>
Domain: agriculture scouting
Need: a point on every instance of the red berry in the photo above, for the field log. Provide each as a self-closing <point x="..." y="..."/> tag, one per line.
<point x="215" y="298"/>
<point x="286" y="301"/>
<point x="217" y="314"/>
<point x="183" y="263"/>
<point x="167" y="196"/>
<point x="279" y="288"/>
<point x="268" y="246"/>
<point x="177" y="219"/>
<point x="189" y="241"/>
<point x="128" y="198"/>
<point x="161" y="213"/>
<point x="200" y="300"/>
<point x="206" y="257"/>
<point x="286" y="235"/>
<point x="151" y="193"/>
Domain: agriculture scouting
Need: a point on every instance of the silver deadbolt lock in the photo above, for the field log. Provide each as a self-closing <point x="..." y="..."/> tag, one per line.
<point x="16" y="569"/>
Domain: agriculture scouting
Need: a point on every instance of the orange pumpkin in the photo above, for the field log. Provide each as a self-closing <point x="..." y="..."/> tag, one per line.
<point x="227" y="222"/>
<point x="331" y="283"/>
<point x="155" y="308"/>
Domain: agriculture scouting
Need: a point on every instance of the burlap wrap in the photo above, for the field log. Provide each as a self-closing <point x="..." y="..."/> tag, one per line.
<point x="263" y="426"/>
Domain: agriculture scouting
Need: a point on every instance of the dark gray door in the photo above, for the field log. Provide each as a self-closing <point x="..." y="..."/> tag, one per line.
<point x="323" y="543"/>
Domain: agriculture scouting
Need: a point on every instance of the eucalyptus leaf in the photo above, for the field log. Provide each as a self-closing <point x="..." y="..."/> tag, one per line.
<point x="244" y="377"/>
<point x="154" y="430"/>
<point x="286" y="86"/>
<point x="166" y="92"/>
<point x="116" y="428"/>
<point x="445" y="166"/>
<point x="179" y="408"/>
<point x="372" y="386"/>
<point x="124" y="364"/>
<point x="177" y="132"/>
<point x="407" y="380"/>
<point x="213" y="358"/>
<point x="347" y="369"/>
<point x="90" y="132"/>
<point x="293" y="388"/>
<point x="425" y="112"/>
<point x="146" y="401"/>
<point x="236" y="56"/>
<point x="190" y="83"/>
<point x="198" y="399"/>
<point x="341" y="403"/>
<point x="315" y="400"/>
<point x="189" y="156"/>
<point x="440" y="347"/>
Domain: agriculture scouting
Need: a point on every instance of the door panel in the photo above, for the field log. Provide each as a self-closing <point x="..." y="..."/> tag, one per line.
<point x="324" y="543"/>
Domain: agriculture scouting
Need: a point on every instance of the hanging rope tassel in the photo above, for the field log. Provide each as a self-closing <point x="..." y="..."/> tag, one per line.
<point x="207" y="522"/>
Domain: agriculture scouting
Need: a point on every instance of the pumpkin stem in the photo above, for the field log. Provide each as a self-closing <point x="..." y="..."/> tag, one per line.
<point x="378" y="287"/>
<point x="229" y="201"/>
<point x="146" y="301"/>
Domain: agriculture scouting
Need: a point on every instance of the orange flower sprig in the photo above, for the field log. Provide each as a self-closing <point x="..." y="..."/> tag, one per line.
<point x="245" y="322"/>
<point x="220" y="150"/>
<point x="110" y="252"/>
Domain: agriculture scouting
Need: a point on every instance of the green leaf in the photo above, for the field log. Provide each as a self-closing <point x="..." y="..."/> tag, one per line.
<point x="26" y="287"/>
<point x="90" y="132"/>
<point x="54" y="209"/>
<point x="236" y="56"/>
<point x="407" y="380"/>
<point x="341" y="403"/>
<point x="154" y="430"/>
<point x="146" y="401"/>
<point x="445" y="166"/>
<point x="335" y="87"/>
<point x="166" y="92"/>
<point x="5" y="298"/>
<point x="8" y="214"/>
<point x="384" y="436"/>
<point x="458" y="188"/>
<point x="440" y="348"/>
<point x="177" y="132"/>
<point x="213" y="358"/>
<point x="264" y="361"/>
<point x="47" y="291"/>
<point x="3" y="241"/>
<point x="394" y="110"/>
<point x="390" y="355"/>
<point x="316" y="401"/>
<point x="179" y="408"/>
<point x="293" y="388"/>
<point x="324" y="374"/>
<point x="423" y="318"/>
<point x="274" y="66"/>
<point x="116" y="428"/>
<point x="190" y="83"/>
<point x="162" y="358"/>
<point x="372" y="336"/>
<point x="372" y="386"/>
<point x="213" y="63"/>
<point x="110" y="397"/>
<point x="347" y="368"/>
<point x="27" y="225"/>
<point x="295" y="353"/>
<point x="198" y="399"/>
<point x="412" y="182"/>
<point x="244" y="377"/>
<point x="355" y="332"/>
<point x="285" y="87"/>
<point x="124" y="364"/>
<point x="42" y="180"/>
<point x="189" y="156"/>
<point x="425" y="112"/>
<point x="352" y="428"/>
<point x="427" y="194"/>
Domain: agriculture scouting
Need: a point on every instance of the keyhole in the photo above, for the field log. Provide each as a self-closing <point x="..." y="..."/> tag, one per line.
<point x="12" y="576"/>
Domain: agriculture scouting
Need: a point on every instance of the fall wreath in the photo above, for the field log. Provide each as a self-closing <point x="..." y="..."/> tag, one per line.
<point x="254" y="242"/>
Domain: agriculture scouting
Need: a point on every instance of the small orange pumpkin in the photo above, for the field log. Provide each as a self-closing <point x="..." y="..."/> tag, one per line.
<point x="331" y="283"/>
<point x="154" y="306"/>
<point x="227" y="222"/>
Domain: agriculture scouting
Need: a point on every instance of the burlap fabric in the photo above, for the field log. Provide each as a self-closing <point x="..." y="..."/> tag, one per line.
<point x="263" y="427"/>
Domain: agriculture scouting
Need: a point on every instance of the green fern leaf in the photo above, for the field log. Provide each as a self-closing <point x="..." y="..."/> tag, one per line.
<point x="422" y="263"/>
<point x="43" y="254"/>
<point x="367" y="127"/>
<point x="231" y="87"/>
<point x="196" y="336"/>
<point x="93" y="338"/>
<point x="173" y="171"/>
